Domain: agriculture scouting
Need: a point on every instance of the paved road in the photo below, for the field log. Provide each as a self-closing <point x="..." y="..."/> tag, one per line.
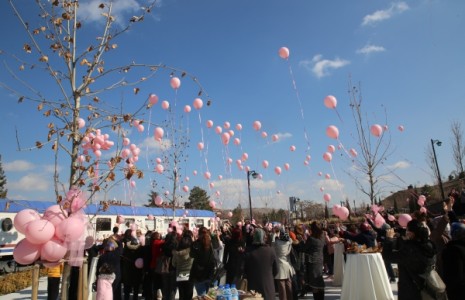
<point x="331" y="293"/>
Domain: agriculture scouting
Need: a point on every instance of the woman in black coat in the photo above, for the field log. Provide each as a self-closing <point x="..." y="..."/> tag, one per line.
<point x="233" y="257"/>
<point x="131" y="276"/>
<point x="112" y="256"/>
<point x="453" y="257"/>
<point x="204" y="262"/>
<point x="260" y="266"/>
<point x="416" y="253"/>
<point x="313" y="247"/>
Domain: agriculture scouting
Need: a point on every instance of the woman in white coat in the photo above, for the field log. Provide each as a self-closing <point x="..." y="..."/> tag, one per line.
<point x="282" y="247"/>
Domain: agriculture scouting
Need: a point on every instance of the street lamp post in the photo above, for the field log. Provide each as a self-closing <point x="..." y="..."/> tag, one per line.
<point x="254" y="175"/>
<point x="439" y="143"/>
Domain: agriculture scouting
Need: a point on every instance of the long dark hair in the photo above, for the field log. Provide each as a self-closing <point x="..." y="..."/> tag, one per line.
<point x="317" y="232"/>
<point x="205" y="238"/>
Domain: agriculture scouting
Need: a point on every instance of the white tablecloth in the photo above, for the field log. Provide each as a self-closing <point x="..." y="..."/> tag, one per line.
<point x="338" y="264"/>
<point x="365" y="278"/>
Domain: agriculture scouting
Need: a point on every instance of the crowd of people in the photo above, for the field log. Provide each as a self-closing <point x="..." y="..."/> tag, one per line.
<point x="287" y="262"/>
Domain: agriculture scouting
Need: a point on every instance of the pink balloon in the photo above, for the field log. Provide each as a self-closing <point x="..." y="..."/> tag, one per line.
<point x="158" y="200"/>
<point x="81" y="159"/>
<point x="225" y="138"/>
<point x="55" y="215"/>
<point x="226" y="125"/>
<point x="98" y="153"/>
<point x="391" y="218"/>
<point x="274" y="137"/>
<point x="320" y="173"/>
<point x="39" y="231"/>
<point x="125" y="153"/>
<point x="70" y="229"/>
<point x="287" y="166"/>
<point x="343" y="213"/>
<point x="26" y="253"/>
<point x="423" y="210"/>
<point x="207" y="175"/>
<point x="119" y="219"/>
<point x="212" y="204"/>
<point x="187" y="178"/>
<point x="264" y="134"/>
<point x="159" y="168"/>
<point x="265" y="164"/>
<point x="81" y="123"/>
<point x="209" y="124"/>
<point x="327" y="176"/>
<point x="376" y="130"/>
<point x="353" y="152"/>
<point x="23" y="218"/>
<point x="401" y="128"/>
<point x="404" y="219"/>
<point x="244" y="156"/>
<point x="257" y="125"/>
<point x="239" y="127"/>
<point x="379" y="220"/>
<point x="230" y="214"/>
<point x="198" y="103"/>
<point x="237" y="141"/>
<point x="322" y="189"/>
<point x="217" y="193"/>
<point x="327" y="156"/>
<point x="212" y="185"/>
<point x="277" y="170"/>
<point x="194" y="172"/>
<point x="153" y="99"/>
<point x="218" y="129"/>
<point x="421" y="200"/>
<point x="292" y="148"/>
<point x="185" y="188"/>
<point x="385" y="128"/>
<point x="326" y="197"/>
<point x="175" y="83"/>
<point x="331" y="149"/>
<point x="375" y="208"/>
<point x="140" y="128"/>
<point x="53" y="250"/>
<point x="283" y="52"/>
<point x="332" y="132"/>
<point x="229" y="160"/>
<point x="330" y="101"/>
<point x="200" y="146"/>
<point x="187" y="109"/>
<point x="158" y="133"/>
<point x="139" y="263"/>
<point x="220" y="177"/>
<point x="132" y="183"/>
<point x="306" y="162"/>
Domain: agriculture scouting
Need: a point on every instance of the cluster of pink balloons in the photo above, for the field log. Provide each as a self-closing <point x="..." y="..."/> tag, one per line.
<point x="49" y="237"/>
<point x="421" y="202"/>
<point x="131" y="153"/>
<point x="95" y="142"/>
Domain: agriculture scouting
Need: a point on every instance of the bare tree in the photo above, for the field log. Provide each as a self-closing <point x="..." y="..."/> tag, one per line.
<point x="374" y="151"/>
<point x="458" y="146"/>
<point x="79" y="83"/>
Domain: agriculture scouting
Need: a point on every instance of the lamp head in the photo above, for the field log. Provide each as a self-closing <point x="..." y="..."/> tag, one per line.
<point x="439" y="143"/>
<point x="254" y="174"/>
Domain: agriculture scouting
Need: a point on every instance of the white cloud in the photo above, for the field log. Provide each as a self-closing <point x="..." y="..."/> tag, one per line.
<point x="382" y="15"/>
<point x="51" y="168"/>
<point x="330" y="184"/>
<point x="31" y="182"/>
<point x="320" y="67"/>
<point x="151" y="145"/>
<point x="121" y="10"/>
<point x="368" y="49"/>
<point x="400" y="165"/>
<point x="18" y="166"/>
<point x="283" y="136"/>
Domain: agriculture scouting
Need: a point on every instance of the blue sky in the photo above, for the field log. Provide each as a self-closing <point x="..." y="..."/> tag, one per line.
<point x="407" y="56"/>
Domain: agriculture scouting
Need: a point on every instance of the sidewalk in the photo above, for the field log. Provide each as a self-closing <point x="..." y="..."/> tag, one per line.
<point x="331" y="293"/>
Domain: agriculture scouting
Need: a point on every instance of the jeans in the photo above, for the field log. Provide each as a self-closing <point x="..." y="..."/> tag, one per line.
<point x="202" y="287"/>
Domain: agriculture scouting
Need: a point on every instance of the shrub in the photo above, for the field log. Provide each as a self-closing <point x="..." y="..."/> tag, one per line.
<point x="14" y="282"/>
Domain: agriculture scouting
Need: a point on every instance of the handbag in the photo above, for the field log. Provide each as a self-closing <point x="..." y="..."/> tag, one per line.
<point x="163" y="265"/>
<point x="434" y="287"/>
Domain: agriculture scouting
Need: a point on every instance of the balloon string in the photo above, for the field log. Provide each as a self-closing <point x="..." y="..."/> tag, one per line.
<point x="300" y="105"/>
<point x="343" y="148"/>
<point x="337" y="180"/>
<point x="147" y="146"/>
